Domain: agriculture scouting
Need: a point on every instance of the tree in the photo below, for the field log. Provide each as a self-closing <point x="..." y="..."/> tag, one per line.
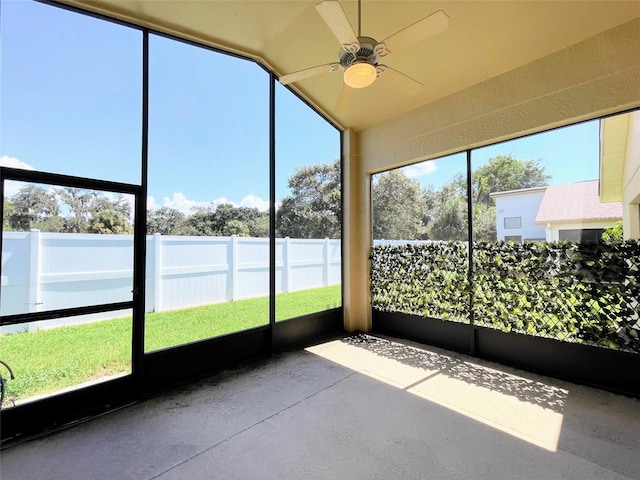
<point x="235" y="227"/>
<point x="85" y="205"/>
<point x="7" y="209"/>
<point x="400" y="207"/>
<point x="118" y="203"/>
<point x="166" y="221"/>
<point x="199" y="222"/>
<point x="109" y="221"/>
<point x="227" y="219"/>
<point x="34" y="207"/>
<point x="81" y="204"/>
<point x="449" y="218"/>
<point x="484" y="223"/>
<point x="314" y="208"/>
<point x="259" y="225"/>
<point x="503" y="173"/>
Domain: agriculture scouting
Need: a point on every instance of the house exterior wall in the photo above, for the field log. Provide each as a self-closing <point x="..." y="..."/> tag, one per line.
<point x="631" y="180"/>
<point x="553" y="230"/>
<point x="525" y="206"/>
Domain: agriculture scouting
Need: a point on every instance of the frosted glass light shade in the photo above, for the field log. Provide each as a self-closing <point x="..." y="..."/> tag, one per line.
<point x="360" y="75"/>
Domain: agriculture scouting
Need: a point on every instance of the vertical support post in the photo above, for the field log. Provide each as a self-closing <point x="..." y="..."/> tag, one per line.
<point x="472" y="340"/>
<point x="233" y="267"/>
<point x="327" y="263"/>
<point x="157" y="273"/>
<point x="272" y="205"/>
<point x="140" y="236"/>
<point x="286" y="267"/>
<point x="356" y="236"/>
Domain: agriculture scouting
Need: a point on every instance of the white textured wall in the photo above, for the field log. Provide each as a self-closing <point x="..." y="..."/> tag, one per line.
<point x="631" y="180"/>
<point x="597" y="76"/>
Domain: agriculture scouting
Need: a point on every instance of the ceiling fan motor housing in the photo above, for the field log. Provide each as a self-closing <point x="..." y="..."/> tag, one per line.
<point x="366" y="50"/>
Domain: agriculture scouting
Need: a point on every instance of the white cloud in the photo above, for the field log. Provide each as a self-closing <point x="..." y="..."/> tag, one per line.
<point x="220" y="201"/>
<point x="252" y="201"/>
<point x="152" y="204"/>
<point x="7" y="161"/>
<point x="180" y="202"/>
<point x="420" y="169"/>
<point x="11" y="187"/>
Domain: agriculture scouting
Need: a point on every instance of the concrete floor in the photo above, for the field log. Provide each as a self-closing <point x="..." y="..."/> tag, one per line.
<point x="358" y="408"/>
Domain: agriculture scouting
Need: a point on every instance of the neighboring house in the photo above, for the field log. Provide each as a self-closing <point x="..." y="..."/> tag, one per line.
<point x="620" y="167"/>
<point x="572" y="211"/>
<point x="516" y="212"/>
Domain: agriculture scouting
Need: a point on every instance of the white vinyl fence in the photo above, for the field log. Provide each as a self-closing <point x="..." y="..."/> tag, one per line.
<point x="47" y="271"/>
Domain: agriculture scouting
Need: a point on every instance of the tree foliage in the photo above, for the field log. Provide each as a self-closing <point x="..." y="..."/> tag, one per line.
<point x="80" y="202"/>
<point x="83" y="204"/>
<point x="314" y="208"/>
<point x="450" y="220"/>
<point x="7" y="209"/>
<point x="109" y="221"/>
<point x="503" y="173"/>
<point x="166" y="221"/>
<point x="484" y="223"/>
<point x="400" y="207"/>
<point x="34" y="207"/>
<point x="70" y="210"/>
<point x="226" y="219"/>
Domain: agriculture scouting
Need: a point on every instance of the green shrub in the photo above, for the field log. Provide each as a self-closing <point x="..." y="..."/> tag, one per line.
<point x="568" y="291"/>
<point x="427" y="279"/>
<point x="613" y="234"/>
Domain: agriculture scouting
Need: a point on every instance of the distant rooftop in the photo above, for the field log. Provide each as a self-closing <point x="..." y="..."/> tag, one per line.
<point x="517" y="192"/>
<point x="576" y="202"/>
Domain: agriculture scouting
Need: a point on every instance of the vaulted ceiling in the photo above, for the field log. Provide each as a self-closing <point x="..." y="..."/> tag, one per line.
<point x="484" y="39"/>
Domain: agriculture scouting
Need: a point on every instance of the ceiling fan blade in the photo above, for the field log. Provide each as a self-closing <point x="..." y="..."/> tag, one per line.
<point x="308" y="72"/>
<point x="410" y="85"/>
<point x="344" y="99"/>
<point x="335" y="18"/>
<point x="435" y="23"/>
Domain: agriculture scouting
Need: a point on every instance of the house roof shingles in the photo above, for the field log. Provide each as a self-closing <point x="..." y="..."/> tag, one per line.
<point x="578" y="201"/>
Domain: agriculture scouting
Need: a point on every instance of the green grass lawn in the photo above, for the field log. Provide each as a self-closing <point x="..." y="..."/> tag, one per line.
<point x="50" y="360"/>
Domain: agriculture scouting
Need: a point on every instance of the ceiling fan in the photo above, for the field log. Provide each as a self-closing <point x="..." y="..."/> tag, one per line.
<point x="359" y="55"/>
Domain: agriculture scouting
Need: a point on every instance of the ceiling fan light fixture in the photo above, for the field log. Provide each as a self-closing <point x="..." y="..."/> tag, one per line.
<point x="360" y="75"/>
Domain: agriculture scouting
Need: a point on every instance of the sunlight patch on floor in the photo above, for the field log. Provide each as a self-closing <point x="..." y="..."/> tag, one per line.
<point x="523" y="408"/>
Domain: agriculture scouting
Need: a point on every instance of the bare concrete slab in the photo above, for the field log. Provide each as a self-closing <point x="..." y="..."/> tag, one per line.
<point x="356" y="408"/>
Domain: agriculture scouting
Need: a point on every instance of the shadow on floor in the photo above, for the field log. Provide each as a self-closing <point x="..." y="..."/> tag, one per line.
<point x="461" y="368"/>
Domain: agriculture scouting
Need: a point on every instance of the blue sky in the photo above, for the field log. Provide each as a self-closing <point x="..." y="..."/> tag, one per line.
<point x="71" y="103"/>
